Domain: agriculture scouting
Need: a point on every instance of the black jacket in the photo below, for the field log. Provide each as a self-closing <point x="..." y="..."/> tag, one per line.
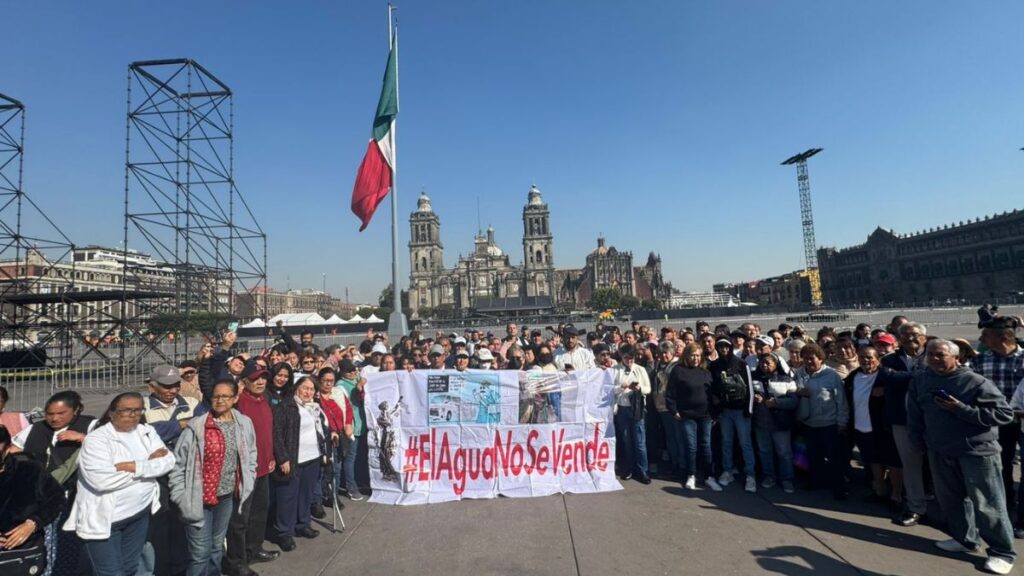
<point x="687" y="392"/>
<point x="876" y="404"/>
<point x="735" y="367"/>
<point x="895" y="377"/>
<point x="28" y="491"/>
<point x="286" y="434"/>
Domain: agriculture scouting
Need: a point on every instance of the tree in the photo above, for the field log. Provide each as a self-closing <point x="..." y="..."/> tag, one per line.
<point x="606" y="299"/>
<point x="196" y="322"/>
<point x="384" y="300"/>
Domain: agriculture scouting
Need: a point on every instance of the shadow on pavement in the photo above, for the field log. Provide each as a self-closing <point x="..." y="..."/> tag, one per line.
<point x="800" y="561"/>
<point x="769" y="512"/>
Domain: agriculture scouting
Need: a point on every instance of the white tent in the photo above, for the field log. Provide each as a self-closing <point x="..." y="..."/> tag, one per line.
<point x="257" y="323"/>
<point x="299" y="319"/>
<point x="334" y="319"/>
<point x="373" y="318"/>
<point x="357" y="319"/>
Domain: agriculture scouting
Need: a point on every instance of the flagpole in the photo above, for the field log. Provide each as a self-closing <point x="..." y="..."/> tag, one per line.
<point x="397" y="326"/>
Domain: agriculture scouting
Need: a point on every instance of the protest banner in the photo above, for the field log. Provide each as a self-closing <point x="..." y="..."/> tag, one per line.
<point x="443" y="435"/>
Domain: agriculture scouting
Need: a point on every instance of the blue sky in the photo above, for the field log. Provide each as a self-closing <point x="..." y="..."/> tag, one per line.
<point x="659" y="124"/>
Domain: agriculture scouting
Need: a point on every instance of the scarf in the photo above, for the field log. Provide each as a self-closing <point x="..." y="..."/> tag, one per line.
<point x="314" y="410"/>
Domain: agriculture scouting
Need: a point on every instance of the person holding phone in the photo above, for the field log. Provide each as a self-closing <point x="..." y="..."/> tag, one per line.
<point x="954" y="414"/>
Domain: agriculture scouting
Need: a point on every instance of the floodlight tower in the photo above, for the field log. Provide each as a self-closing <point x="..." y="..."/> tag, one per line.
<point x="807" y="220"/>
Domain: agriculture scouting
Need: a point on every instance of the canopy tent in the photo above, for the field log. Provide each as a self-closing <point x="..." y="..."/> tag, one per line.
<point x="298" y="319"/>
<point x="373" y="318"/>
<point x="257" y="323"/>
<point x="334" y="319"/>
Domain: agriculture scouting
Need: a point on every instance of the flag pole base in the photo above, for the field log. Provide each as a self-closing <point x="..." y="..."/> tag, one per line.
<point x="397" y="326"/>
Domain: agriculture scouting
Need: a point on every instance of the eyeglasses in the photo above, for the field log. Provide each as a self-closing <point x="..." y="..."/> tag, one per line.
<point x="222" y="398"/>
<point x="188" y="374"/>
<point x="129" y="411"/>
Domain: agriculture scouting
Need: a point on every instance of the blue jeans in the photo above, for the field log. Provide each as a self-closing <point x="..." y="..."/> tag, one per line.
<point x="673" y="438"/>
<point x="206" y="544"/>
<point x="350" y="466"/>
<point x="782" y="443"/>
<point x="735" y="423"/>
<point x="693" y="429"/>
<point x="631" y="436"/>
<point x="971" y="493"/>
<point x="119" y="555"/>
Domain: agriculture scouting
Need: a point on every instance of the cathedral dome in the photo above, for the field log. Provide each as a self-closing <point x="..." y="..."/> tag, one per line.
<point x="423" y="204"/>
<point x="534" y="196"/>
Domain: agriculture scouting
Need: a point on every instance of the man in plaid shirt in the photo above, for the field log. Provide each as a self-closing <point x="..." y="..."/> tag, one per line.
<point x="1003" y="364"/>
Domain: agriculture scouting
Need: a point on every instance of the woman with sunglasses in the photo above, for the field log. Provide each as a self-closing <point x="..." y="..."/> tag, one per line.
<point x="117" y="488"/>
<point x="214" y="473"/>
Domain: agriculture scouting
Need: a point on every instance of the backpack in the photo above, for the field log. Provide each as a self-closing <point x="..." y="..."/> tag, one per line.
<point x="734" y="388"/>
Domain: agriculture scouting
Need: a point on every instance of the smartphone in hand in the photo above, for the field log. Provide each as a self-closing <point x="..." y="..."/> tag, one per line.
<point x="942" y="394"/>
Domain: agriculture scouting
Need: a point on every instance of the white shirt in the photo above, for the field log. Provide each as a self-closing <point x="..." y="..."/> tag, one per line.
<point x="862" y="385"/>
<point x="137" y="496"/>
<point x="369" y="369"/>
<point x="308" y="450"/>
<point x="624" y="376"/>
<point x="580" y="358"/>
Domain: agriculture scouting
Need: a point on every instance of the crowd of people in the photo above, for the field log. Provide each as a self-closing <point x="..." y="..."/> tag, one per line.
<point x="231" y="450"/>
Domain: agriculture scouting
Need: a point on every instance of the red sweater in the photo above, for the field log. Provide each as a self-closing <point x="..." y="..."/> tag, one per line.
<point x="258" y="410"/>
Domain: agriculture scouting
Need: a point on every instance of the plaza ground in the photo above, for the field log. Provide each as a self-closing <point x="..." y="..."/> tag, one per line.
<point x="655" y="529"/>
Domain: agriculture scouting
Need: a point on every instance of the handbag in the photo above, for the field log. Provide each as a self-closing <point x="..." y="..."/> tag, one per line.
<point x="24" y="560"/>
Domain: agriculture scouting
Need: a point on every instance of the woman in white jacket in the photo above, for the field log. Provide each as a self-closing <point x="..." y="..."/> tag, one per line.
<point x="117" y="489"/>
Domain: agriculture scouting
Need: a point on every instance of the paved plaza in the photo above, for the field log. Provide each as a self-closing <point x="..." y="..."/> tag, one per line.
<point x="655" y="529"/>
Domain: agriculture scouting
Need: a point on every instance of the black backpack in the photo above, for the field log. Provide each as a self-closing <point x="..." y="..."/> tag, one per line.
<point x="734" y="388"/>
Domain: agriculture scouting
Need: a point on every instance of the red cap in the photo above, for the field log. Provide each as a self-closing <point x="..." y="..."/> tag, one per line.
<point x="886" y="338"/>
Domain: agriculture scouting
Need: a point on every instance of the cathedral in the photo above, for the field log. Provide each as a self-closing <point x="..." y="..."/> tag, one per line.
<point x="485" y="277"/>
<point x="486" y="281"/>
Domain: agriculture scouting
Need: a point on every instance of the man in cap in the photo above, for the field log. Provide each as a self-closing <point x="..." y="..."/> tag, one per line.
<point x="373" y="366"/>
<point x="484" y="359"/>
<point x="884" y="343"/>
<point x="168" y="412"/>
<point x="461" y="359"/>
<point x="437" y="357"/>
<point x="248" y="524"/>
<point x="1003" y="364"/>
<point x="458" y="344"/>
<point x="574" y="355"/>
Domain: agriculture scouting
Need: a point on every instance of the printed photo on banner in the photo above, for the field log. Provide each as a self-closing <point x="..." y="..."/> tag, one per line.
<point x="446" y="435"/>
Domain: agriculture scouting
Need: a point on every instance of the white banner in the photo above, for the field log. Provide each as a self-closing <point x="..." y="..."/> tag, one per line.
<point x="442" y="435"/>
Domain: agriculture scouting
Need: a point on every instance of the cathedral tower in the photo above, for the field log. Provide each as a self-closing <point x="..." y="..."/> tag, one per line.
<point x="426" y="253"/>
<point x="538" y="262"/>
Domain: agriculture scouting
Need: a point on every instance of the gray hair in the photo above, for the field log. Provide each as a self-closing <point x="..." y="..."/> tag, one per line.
<point x="795" y="345"/>
<point x="908" y="326"/>
<point x="951" y="347"/>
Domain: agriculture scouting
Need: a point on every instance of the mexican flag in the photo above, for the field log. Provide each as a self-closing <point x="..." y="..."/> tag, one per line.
<point x="375" y="173"/>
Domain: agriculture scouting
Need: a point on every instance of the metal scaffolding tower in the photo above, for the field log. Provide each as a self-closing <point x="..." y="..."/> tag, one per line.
<point x="807" y="221"/>
<point x="182" y="205"/>
<point x="32" y="316"/>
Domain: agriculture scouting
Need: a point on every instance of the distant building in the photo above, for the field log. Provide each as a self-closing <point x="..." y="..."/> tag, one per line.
<point x="486" y="276"/>
<point x="110" y="271"/>
<point x="267" y="303"/>
<point x="606" y="267"/>
<point x="700" y="300"/>
<point x="791" y="290"/>
<point x="973" y="261"/>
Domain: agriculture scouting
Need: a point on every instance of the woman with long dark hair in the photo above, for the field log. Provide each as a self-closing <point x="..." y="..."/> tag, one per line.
<point x="280" y="386"/>
<point x="55" y="442"/>
<point x="117" y="487"/>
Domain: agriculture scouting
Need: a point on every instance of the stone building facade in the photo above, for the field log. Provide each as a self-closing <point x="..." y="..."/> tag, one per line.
<point x="607" y="267"/>
<point x="487" y="272"/>
<point x="969" y="261"/>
